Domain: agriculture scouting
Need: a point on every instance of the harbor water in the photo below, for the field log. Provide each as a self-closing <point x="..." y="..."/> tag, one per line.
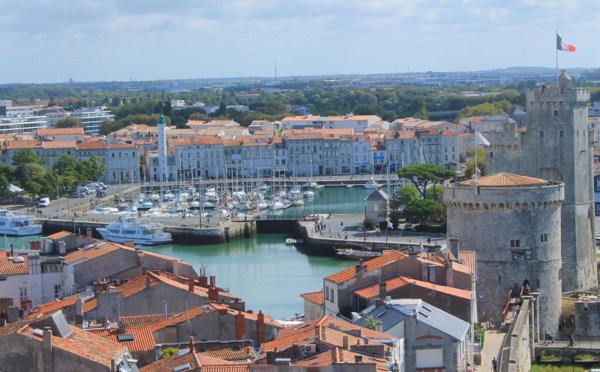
<point x="263" y="271"/>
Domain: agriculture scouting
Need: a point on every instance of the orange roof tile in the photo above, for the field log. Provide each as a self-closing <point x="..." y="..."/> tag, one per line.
<point x="339" y="355"/>
<point x="91" y="145"/>
<point x="19" y="144"/>
<point x="468" y="259"/>
<point x="84" y="344"/>
<point x="315" y="297"/>
<point x="506" y="180"/>
<point x="60" y="234"/>
<point x="227" y="351"/>
<point x="54" y="305"/>
<point x="9" y="267"/>
<point x="60" y="131"/>
<point x="371" y="265"/>
<point x="100" y="249"/>
<point x="143" y="337"/>
<point x="59" y="144"/>
<point x="372" y="291"/>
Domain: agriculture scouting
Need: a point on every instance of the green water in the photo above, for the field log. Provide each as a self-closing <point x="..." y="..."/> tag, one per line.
<point x="263" y="271"/>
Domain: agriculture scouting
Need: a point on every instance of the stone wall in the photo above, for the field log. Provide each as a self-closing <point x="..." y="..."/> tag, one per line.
<point x="519" y="343"/>
<point x="515" y="234"/>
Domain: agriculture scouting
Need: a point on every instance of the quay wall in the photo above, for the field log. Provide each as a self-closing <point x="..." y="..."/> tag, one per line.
<point x="181" y="234"/>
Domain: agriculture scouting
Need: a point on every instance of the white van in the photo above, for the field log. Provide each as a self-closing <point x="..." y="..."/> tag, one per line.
<point x="43" y="202"/>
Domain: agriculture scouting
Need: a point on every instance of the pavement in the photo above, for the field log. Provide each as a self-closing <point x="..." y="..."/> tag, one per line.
<point x="491" y="348"/>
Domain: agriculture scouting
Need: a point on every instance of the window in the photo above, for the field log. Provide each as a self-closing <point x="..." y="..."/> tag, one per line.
<point x="57" y="290"/>
<point x="555" y="112"/>
<point x="515" y="243"/>
<point x="23" y="293"/>
<point x="541" y="134"/>
<point x="544" y="237"/>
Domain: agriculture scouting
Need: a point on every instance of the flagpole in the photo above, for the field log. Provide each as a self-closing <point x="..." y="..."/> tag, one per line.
<point x="556" y="51"/>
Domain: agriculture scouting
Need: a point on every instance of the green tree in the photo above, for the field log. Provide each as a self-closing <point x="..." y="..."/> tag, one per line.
<point x="424" y="175"/>
<point x="373" y="323"/>
<point x="470" y="170"/>
<point x="64" y="162"/>
<point x="401" y="197"/>
<point x="28" y="173"/>
<point x="25" y="156"/>
<point x="4" y="184"/>
<point x="423" y="209"/>
<point x="69" y="122"/>
<point x="169" y="352"/>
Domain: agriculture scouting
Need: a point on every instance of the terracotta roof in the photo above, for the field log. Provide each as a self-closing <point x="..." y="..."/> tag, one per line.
<point x="83" y="344"/>
<point x="372" y="291"/>
<point x="197" y="362"/>
<point x="91" y="145"/>
<point x="100" y="249"/>
<point x="315" y="297"/>
<point x="9" y="267"/>
<point x="227" y="351"/>
<point x="506" y="180"/>
<point x="371" y="265"/>
<point x="121" y="146"/>
<point x="60" y="131"/>
<point x="54" y="305"/>
<point x="59" y="144"/>
<point x="60" y="234"/>
<point x="468" y="259"/>
<point x="19" y="144"/>
<point x="328" y="329"/>
<point x="177" y="318"/>
<point x="339" y="355"/>
<point x="141" y="320"/>
<point x="143" y="337"/>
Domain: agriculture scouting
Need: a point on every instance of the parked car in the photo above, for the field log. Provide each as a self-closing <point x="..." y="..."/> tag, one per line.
<point x="409" y="227"/>
<point x="43" y="202"/>
<point x="102" y="185"/>
<point x="80" y="194"/>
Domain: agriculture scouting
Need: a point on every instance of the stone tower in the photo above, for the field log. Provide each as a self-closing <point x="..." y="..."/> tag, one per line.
<point x="557" y="145"/>
<point x="512" y="222"/>
<point x="162" y="149"/>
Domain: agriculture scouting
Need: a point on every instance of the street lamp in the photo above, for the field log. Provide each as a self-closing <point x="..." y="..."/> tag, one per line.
<point x="200" y="198"/>
<point x="57" y="186"/>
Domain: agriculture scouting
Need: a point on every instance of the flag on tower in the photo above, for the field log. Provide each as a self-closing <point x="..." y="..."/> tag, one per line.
<point x="565" y="47"/>
<point x="480" y="139"/>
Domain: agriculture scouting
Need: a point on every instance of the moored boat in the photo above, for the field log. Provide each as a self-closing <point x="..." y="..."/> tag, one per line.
<point x="353" y="254"/>
<point x="131" y="228"/>
<point x="16" y="224"/>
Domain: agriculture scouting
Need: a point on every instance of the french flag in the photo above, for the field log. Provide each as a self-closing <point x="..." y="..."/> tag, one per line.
<point x="565" y="47"/>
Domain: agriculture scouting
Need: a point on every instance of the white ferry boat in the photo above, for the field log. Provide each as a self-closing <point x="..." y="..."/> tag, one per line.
<point x="18" y="224"/>
<point x="130" y="228"/>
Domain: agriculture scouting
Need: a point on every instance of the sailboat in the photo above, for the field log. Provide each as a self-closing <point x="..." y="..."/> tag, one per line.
<point x="372" y="184"/>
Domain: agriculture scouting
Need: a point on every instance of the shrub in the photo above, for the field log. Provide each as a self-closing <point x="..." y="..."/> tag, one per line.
<point x="169" y="352"/>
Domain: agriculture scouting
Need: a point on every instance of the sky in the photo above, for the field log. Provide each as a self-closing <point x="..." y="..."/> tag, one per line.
<point x="53" y="41"/>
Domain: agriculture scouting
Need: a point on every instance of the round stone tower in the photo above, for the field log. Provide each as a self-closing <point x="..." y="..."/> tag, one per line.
<point x="513" y="223"/>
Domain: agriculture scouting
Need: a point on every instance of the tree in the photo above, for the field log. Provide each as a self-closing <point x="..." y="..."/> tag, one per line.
<point x="64" y="162"/>
<point x="423" y="209"/>
<point x="4" y="184"/>
<point x="401" y="197"/>
<point x="470" y="170"/>
<point x="169" y="352"/>
<point x="69" y="122"/>
<point x="373" y="323"/>
<point x="25" y="156"/>
<point x="424" y="175"/>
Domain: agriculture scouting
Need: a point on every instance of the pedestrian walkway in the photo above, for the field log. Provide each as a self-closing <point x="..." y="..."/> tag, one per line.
<point x="491" y="347"/>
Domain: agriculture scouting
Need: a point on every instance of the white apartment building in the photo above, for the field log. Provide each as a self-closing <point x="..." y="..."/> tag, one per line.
<point x="201" y="158"/>
<point x="91" y="118"/>
<point x="122" y="164"/>
<point x="21" y="124"/>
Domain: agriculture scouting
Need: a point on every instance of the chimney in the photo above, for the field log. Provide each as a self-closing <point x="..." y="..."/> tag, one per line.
<point x="190" y="284"/>
<point x="79" y="311"/>
<point x="121" y="328"/>
<point x="382" y="290"/>
<point x="147" y="281"/>
<point x="212" y="280"/>
<point x="203" y="281"/>
<point x="260" y="327"/>
<point x="165" y="313"/>
<point x="88" y="232"/>
<point x="47" y="347"/>
<point x="454" y="247"/>
<point x="240" y="326"/>
<point x="345" y="342"/>
<point x="213" y="293"/>
<point x="11" y="250"/>
<point x="192" y="347"/>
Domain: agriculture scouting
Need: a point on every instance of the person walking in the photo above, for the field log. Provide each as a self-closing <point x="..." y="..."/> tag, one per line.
<point x="571" y="340"/>
<point x="494" y="364"/>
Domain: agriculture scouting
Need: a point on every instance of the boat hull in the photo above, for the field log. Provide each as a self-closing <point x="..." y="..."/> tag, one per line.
<point x="24" y="231"/>
<point x="157" y="240"/>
